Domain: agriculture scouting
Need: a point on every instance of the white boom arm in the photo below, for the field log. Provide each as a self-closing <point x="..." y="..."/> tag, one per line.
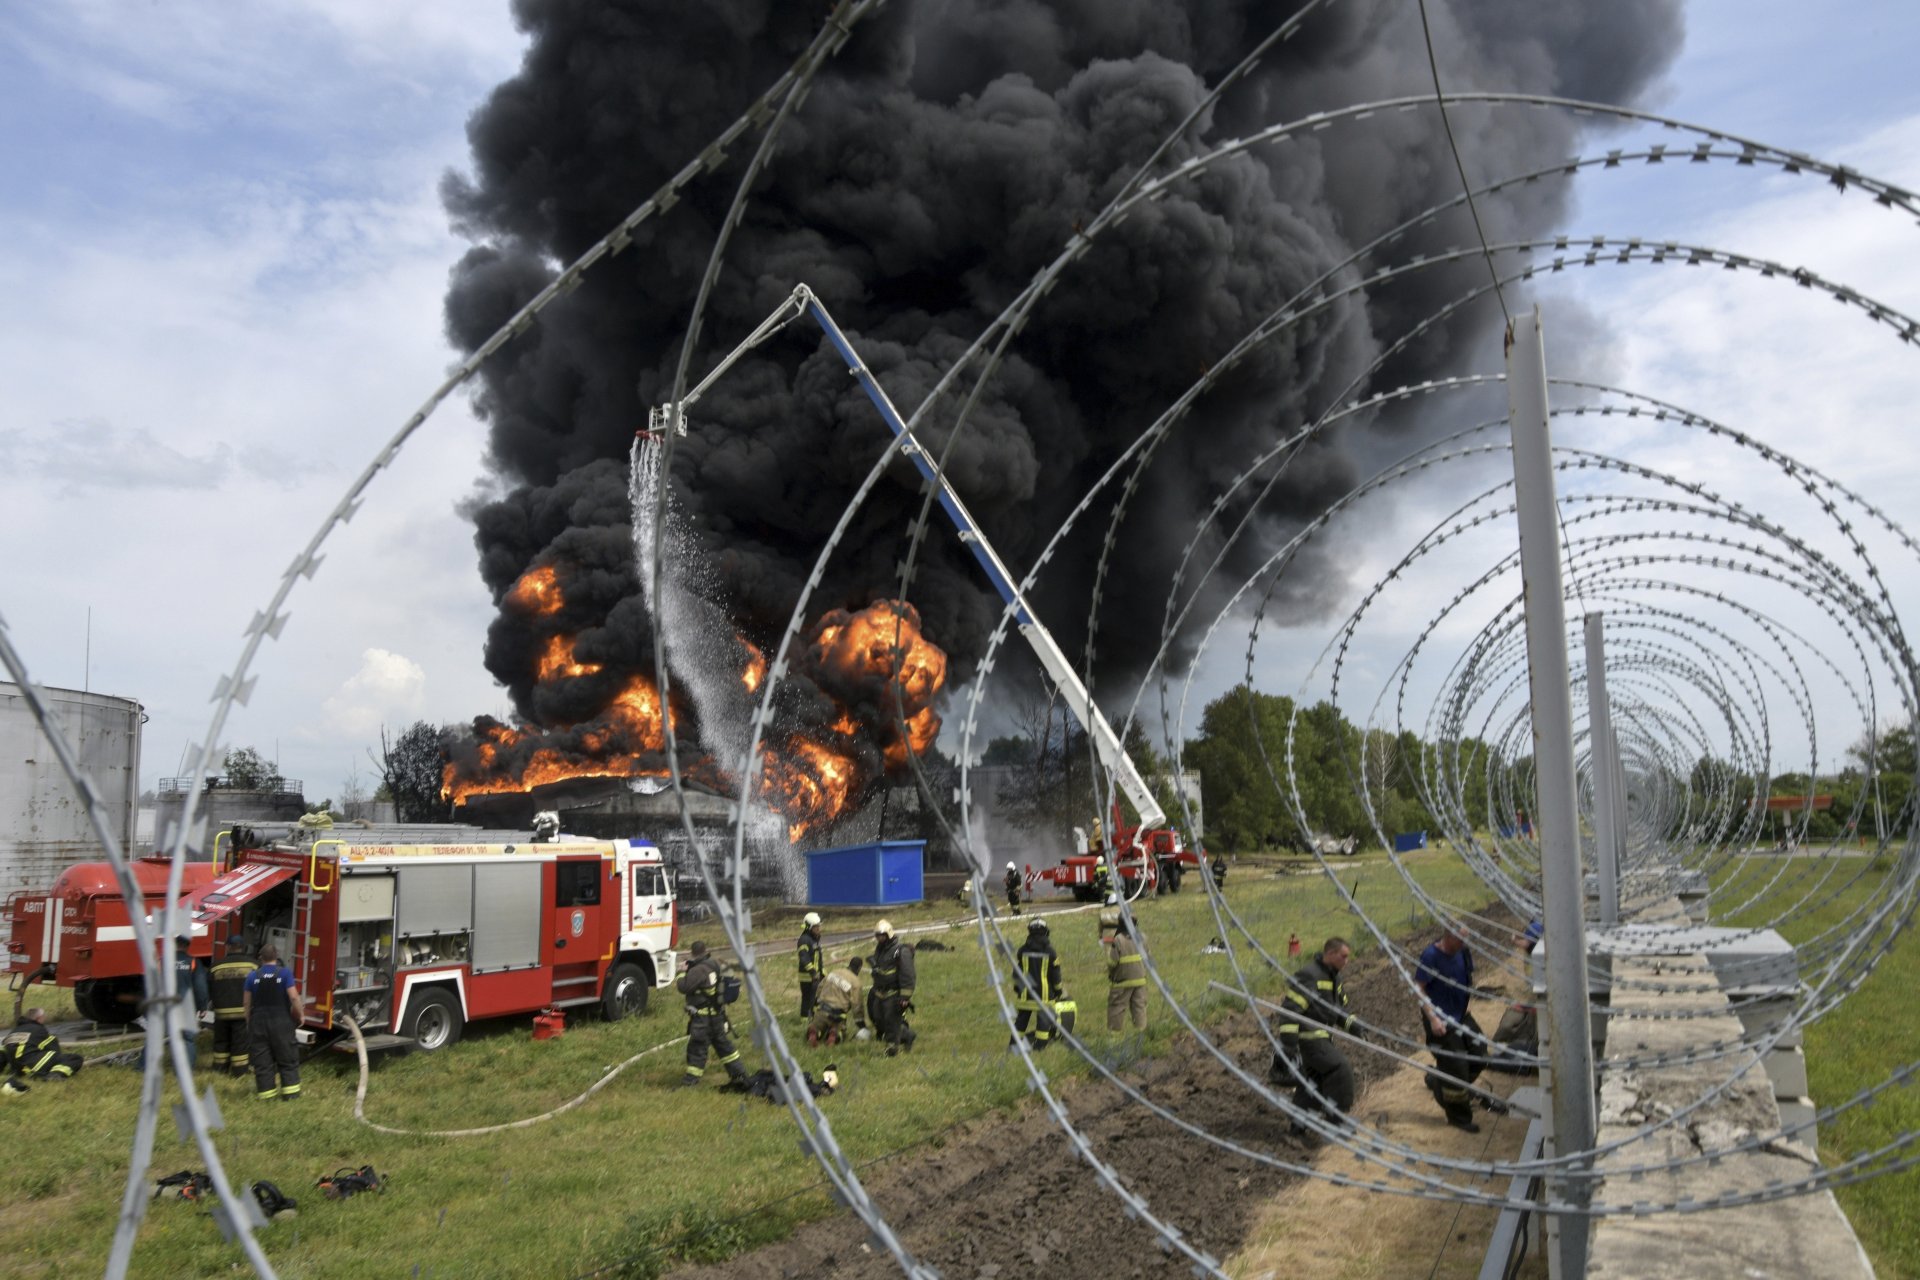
<point x="1106" y="743"/>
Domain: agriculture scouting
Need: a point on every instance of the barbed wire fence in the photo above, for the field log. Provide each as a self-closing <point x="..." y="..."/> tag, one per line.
<point x="1730" y="620"/>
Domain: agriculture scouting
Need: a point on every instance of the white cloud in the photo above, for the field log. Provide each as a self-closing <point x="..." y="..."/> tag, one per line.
<point x="389" y="688"/>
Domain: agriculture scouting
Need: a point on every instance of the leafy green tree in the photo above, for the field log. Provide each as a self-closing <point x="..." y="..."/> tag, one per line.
<point x="412" y="768"/>
<point x="247" y="770"/>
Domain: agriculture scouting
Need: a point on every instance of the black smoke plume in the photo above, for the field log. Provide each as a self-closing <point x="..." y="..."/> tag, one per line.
<point x="946" y="153"/>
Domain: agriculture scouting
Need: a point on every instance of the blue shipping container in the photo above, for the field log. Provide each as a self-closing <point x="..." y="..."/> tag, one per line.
<point x="1407" y="841"/>
<point x="867" y="875"/>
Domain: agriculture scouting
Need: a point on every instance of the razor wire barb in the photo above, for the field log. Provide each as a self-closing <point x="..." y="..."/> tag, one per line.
<point x="1688" y="680"/>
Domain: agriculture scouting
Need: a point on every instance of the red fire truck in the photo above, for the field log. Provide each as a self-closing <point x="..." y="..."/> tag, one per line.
<point x="418" y="940"/>
<point x="78" y="934"/>
<point x="1151" y="858"/>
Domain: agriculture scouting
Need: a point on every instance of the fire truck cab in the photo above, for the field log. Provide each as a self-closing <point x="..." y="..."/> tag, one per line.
<point x="417" y="940"/>
<point x="77" y="933"/>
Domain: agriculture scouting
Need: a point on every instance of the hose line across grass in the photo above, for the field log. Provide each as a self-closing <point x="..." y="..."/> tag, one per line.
<point x="360" y="1094"/>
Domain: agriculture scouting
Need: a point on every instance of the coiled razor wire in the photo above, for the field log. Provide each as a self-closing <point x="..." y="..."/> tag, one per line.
<point x="1698" y="671"/>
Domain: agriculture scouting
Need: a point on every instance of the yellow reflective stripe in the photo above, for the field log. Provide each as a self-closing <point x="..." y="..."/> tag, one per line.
<point x="1316" y="1035"/>
<point x="1131" y="982"/>
<point x="1294" y="997"/>
<point x="1324" y="986"/>
<point x="1289" y="1028"/>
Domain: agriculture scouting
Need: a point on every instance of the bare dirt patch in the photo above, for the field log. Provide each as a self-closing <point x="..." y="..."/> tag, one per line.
<point x="1006" y="1195"/>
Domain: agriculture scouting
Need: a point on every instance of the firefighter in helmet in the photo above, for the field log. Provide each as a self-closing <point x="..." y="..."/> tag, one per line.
<point x="273" y="1008"/>
<point x="1102" y="880"/>
<point x="1036" y="986"/>
<point x="1013" y="888"/>
<point x="1315" y="1005"/>
<point x="892" y="1001"/>
<point x="707" y="1025"/>
<point x="813" y="964"/>
<point x="229" y="992"/>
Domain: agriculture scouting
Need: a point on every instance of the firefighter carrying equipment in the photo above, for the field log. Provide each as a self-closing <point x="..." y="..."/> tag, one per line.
<point x="707" y="1024"/>
<point x="1037" y="986"/>
<point x="343" y="1183"/>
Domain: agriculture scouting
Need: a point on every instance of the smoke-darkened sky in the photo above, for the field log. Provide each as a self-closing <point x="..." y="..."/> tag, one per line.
<point x="944" y="156"/>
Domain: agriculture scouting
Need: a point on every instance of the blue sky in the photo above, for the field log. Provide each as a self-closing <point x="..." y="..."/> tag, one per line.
<point x="224" y="256"/>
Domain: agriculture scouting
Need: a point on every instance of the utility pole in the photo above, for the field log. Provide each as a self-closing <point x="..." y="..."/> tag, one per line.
<point x="1556" y="809"/>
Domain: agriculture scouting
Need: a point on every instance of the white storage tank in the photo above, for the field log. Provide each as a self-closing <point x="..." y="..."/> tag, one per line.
<point x="43" y="824"/>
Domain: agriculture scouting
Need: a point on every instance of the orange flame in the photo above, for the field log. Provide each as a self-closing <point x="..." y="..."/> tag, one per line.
<point x="878" y="651"/>
<point x="538" y="592"/>
<point x="636" y="708"/>
<point x="810" y="784"/>
<point x="756" y="666"/>
<point x="557" y="661"/>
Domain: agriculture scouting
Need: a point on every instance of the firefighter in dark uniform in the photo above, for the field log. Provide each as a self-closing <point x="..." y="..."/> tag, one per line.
<point x="1102" y="880"/>
<point x="1315" y="1002"/>
<point x="32" y="1050"/>
<point x="1036" y="986"/>
<point x="1013" y="888"/>
<point x="892" y="968"/>
<point x="813" y="962"/>
<point x="707" y="1024"/>
<point x="273" y="1009"/>
<point x="230" y="1011"/>
<point x="1219" y="868"/>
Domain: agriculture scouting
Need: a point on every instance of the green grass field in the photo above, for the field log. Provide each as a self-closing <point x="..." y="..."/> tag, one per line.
<point x="638" y="1176"/>
<point x="1876" y="1031"/>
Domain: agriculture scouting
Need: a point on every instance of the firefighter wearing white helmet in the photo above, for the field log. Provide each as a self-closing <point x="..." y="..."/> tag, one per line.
<point x="1013" y="888"/>
<point x="892" y="998"/>
<point x="813" y="962"/>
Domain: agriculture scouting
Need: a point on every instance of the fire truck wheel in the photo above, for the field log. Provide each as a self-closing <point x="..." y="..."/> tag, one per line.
<point x="626" y="995"/>
<point x="83" y="1001"/>
<point x="433" y="1019"/>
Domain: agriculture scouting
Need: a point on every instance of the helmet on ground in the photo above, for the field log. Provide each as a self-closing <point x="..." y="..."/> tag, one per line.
<point x="884" y="928"/>
<point x="811" y="919"/>
<point x="1011" y="867"/>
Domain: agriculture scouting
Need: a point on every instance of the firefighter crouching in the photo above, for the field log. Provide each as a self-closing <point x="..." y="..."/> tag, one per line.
<point x="32" y="1050"/>
<point x="273" y="1009"/>
<point x="230" y="1012"/>
<point x="839" y="997"/>
<point x="707" y="1023"/>
<point x="892" y="966"/>
<point x="1037" y="988"/>
<point x="813" y="965"/>
<point x="1315" y="1002"/>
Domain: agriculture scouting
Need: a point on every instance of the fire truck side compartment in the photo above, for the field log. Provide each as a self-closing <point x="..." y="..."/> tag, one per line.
<point x="434" y="900"/>
<point x="505" y="915"/>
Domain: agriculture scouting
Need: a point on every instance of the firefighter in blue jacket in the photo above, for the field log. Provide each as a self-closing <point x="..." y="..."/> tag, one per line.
<point x="273" y="1009"/>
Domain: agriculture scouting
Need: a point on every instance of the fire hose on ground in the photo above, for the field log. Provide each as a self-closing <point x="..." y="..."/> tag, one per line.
<point x="360" y="1094"/>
